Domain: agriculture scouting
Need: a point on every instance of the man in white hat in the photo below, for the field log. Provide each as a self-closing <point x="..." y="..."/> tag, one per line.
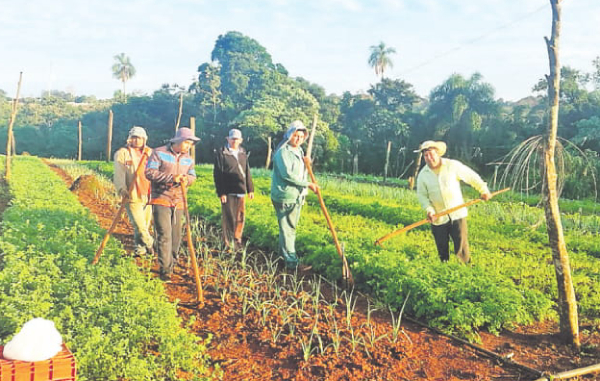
<point x="438" y="189"/>
<point x="233" y="181"/>
<point x="126" y="162"/>
<point x="288" y="190"/>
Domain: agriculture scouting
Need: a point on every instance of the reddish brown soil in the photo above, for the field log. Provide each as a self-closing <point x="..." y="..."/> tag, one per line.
<point x="245" y="350"/>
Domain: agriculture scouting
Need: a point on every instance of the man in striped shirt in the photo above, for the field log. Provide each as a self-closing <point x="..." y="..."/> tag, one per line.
<point x="169" y="168"/>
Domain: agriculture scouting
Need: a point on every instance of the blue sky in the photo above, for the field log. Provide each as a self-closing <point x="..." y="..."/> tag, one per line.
<point x="69" y="45"/>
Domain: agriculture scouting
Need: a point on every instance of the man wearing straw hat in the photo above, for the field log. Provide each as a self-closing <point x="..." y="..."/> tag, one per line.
<point x="169" y="168"/>
<point x="288" y="189"/>
<point x="126" y="162"/>
<point x="438" y="189"/>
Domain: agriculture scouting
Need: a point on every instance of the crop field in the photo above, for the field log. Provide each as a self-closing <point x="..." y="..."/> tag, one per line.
<point x="115" y="318"/>
<point x="120" y="324"/>
<point x="510" y="281"/>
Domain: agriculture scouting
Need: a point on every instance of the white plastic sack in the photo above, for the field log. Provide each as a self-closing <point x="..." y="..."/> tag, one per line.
<point x="38" y="340"/>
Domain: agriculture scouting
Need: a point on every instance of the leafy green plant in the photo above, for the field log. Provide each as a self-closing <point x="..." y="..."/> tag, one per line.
<point x="115" y="319"/>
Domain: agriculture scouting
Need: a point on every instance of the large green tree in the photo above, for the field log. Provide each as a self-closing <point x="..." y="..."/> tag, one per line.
<point x="394" y="95"/>
<point x="207" y="92"/>
<point x="458" y="108"/>
<point x="243" y="66"/>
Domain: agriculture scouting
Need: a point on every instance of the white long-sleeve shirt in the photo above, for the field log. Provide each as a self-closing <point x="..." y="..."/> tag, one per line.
<point x="441" y="191"/>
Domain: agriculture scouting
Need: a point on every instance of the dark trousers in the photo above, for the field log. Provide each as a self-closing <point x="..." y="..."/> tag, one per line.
<point x="457" y="230"/>
<point x="232" y="219"/>
<point x="168" y="223"/>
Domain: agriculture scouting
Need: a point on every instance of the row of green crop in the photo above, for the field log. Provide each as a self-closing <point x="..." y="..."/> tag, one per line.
<point x="114" y="318"/>
<point x="451" y="296"/>
<point x="511" y="280"/>
<point x="508" y="238"/>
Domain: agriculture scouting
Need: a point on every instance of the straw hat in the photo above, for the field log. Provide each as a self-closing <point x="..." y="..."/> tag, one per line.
<point x="439" y="146"/>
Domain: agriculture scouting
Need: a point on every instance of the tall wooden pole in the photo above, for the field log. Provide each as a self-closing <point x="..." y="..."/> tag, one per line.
<point x="13" y="142"/>
<point x="269" y="152"/>
<point x="355" y="159"/>
<point x="109" y="135"/>
<point x="11" y="123"/>
<point x="180" y="110"/>
<point x="193" y="128"/>
<point x="79" y="140"/>
<point x="387" y="160"/>
<point x="311" y="138"/>
<point x="567" y="303"/>
<point x="417" y="167"/>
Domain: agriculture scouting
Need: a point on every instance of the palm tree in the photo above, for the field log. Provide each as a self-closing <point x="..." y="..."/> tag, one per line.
<point x="122" y="69"/>
<point x="380" y="58"/>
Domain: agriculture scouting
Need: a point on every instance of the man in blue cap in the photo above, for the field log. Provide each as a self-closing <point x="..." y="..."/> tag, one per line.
<point x="169" y="168"/>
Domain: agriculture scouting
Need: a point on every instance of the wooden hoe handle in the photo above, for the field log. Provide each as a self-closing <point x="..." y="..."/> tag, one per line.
<point x="440" y="214"/>
<point x="117" y="217"/>
<point x="347" y="275"/>
<point x="188" y="229"/>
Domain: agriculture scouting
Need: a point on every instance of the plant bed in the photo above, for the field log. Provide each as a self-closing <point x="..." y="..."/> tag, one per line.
<point x="252" y="339"/>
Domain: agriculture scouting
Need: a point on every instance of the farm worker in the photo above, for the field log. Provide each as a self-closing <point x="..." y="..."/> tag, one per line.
<point x="126" y="162"/>
<point x="169" y="167"/>
<point x="288" y="189"/>
<point x="233" y="181"/>
<point x="438" y="189"/>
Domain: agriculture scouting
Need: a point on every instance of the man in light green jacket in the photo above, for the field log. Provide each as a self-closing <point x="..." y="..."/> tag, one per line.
<point x="288" y="189"/>
<point x="438" y="189"/>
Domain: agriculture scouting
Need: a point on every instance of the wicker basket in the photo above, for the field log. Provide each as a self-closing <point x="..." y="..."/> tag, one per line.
<point x="61" y="367"/>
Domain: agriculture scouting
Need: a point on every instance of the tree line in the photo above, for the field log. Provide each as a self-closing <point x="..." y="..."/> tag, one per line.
<point x="241" y="87"/>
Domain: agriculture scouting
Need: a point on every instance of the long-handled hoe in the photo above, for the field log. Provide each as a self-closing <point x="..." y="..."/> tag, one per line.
<point x="188" y="229"/>
<point x="119" y="213"/>
<point x="440" y="214"/>
<point x="347" y="275"/>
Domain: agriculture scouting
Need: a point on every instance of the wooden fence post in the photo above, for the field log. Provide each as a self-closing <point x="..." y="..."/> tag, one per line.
<point x="268" y="152"/>
<point x="11" y="123"/>
<point x="13" y="142"/>
<point x="387" y="160"/>
<point x="80" y="141"/>
<point x="109" y="136"/>
<point x="193" y="128"/>
<point x="311" y="138"/>
<point x="179" y="113"/>
<point x="417" y="166"/>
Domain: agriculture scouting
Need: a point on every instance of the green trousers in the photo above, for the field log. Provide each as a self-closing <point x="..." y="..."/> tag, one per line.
<point x="288" y="216"/>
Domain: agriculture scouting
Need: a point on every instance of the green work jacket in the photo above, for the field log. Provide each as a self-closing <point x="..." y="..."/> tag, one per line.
<point x="288" y="182"/>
